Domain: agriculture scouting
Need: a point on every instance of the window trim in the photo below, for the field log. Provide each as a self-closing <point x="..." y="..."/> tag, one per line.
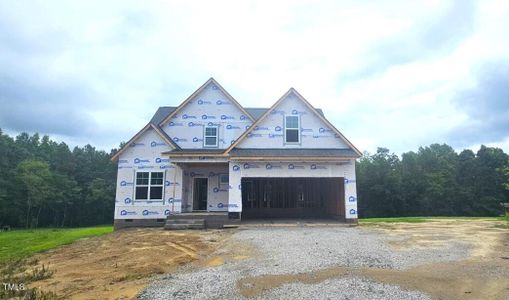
<point x="221" y="182"/>
<point x="298" y="130"/>
<point x="205" y="137"/>
<point x="149" y="185"/>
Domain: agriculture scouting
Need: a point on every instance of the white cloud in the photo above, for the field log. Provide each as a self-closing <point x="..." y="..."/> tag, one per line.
<point x="134" y="57"/>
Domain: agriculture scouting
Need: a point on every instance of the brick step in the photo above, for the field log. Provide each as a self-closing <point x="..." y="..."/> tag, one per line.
<point x="183" y="226"/>
<point x="175" y="224"/>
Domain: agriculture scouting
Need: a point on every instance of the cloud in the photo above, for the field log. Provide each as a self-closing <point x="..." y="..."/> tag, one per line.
<point x="486" y="106"/>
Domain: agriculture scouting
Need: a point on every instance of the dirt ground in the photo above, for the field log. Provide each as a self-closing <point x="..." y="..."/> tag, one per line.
<point x="119" y="265"/>
<point x="484" y="275"/>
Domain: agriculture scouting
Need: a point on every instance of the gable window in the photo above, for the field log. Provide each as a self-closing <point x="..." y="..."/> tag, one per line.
<point x="210" y="136"/>
<point x="292" y="132"/>
<point x="149" y="186"/>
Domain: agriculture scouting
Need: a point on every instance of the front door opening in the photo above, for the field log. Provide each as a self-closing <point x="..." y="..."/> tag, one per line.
<point x="200" y="194"/>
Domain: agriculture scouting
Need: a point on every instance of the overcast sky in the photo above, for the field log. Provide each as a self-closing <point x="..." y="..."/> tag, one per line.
<point x="398" y="74"/>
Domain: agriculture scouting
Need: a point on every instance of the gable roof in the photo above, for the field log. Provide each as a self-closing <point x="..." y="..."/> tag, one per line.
<point x="156" y="128"/>
<point x="199" y="90"/>
<point x="299" y="96"/>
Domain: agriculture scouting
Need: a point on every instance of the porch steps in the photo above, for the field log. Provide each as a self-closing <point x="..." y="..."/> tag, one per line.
<point x="175" y="224"/>
<point x="198" y="220"/>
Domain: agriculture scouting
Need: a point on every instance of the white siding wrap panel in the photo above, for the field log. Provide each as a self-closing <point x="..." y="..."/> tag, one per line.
<point x="144" y="154"/>
<point x="209" y="107"/>
<point x="270" y="132"/>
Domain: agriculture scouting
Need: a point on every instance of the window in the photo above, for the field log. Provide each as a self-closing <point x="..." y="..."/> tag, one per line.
<point x="224" y="179"/>
<point x="210" y="136"/>
<point x="149" y="186"/>
<point x="292" y="134"/>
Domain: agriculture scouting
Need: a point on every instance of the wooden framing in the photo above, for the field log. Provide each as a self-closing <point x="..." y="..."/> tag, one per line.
<point x="199" y="90"/>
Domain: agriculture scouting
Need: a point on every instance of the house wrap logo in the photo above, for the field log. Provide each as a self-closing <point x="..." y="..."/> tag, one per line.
<point x="123" y="161"/>
<point x="222" y="102"/>
<point x="217" y="190"/>
<point x="324" y="130"/>
<point x="347" y="181"/>
<point x="275" y="135"/>
<point x="236" y="168"/>
<point x="125" y="183"/>
<point x="226" y="117"/>
<point x="229" y="126"/>
<point x="260" y="128"/>
<point x="177" y="139"/>
<point x="278" y="128"/>
<point x="140" y="161"/>
<point x="352" y="199"/>
<point x="276" y="112"/>
<point x="162" y="160"/>
<point x="167" y="212"/>
<point x="221" y="205"/>
<point x="193" y="124"/>
<point x="170" y="183"/>
<point x="186" y="116"/>
<point x="193" y="174"/>
<point x="171" y="124"/>
<point x="147" y="212"/>
<point x="156" y="144"/>
<point x="207" y="117"/>
<point x="292" y="167"/>
<point x="306" y="130"/>
<point x="251" y="135"/>
<point x="127" y="213"/>
<point x="127" y="200"/>
<point x="197" y="139"/>
<point x="270" y="166"/>
<point x="201" y="102"/>
<point x="317" y="167"/>
<point x="352" y="211"/>
<point x="213" y="124"/>
<point x="250" y="166"/>
<point x="173" y="200"/>
<point x="297" y="112"/>
<point x="136" y="145"/>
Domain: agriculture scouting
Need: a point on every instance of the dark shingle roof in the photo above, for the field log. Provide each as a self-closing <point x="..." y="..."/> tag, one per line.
<point x="164" y="111"/>
<point x="161" y="113"/>
<point x="293" y="152"/>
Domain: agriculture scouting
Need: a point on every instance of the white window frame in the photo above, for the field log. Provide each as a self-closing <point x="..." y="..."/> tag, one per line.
<point x="149" y="185"/>
<point x="298" y="129"/>
<point x="222" y="182"/>
<point x="205" y="137"/>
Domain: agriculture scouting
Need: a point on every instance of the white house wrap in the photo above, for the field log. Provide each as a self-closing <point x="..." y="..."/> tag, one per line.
<point x="211" y="154"/>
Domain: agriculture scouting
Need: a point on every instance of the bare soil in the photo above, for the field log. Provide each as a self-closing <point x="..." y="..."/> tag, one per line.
<point x="119" y="265"/>
<point x="484" y="275"/>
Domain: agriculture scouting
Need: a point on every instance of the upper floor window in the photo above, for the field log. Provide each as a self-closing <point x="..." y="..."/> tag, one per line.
<point x="149" y="186"/>
<point x="210" y="136"/>
<point x="292" y="132"/>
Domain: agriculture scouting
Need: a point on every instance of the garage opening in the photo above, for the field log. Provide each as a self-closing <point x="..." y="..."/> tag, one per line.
<point x="303" y="197"/>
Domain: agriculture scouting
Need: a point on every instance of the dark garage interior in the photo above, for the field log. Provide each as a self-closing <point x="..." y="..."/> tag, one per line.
<point x="302" y="197"/>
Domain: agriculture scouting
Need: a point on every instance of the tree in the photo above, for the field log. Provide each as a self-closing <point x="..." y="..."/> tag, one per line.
<point x="35" y="177"/>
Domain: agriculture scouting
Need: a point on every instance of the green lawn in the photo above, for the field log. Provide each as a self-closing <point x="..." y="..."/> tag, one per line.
<point x="17" y="244"/>
<point x="424" y="219"/>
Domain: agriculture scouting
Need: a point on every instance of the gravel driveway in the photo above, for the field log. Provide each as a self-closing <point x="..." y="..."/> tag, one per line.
<point x="289" y="251"/>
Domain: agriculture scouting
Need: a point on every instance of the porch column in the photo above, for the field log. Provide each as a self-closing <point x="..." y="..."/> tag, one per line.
<point x="234" y="189"/>
<point x="350" y="193"/>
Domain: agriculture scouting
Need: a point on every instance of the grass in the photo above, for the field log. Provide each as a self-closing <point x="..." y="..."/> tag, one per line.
<point x="368" y="221"/>
<point x="19" y="244"/>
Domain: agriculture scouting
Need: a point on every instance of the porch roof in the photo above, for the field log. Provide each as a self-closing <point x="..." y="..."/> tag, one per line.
<point x="336" y="153"/>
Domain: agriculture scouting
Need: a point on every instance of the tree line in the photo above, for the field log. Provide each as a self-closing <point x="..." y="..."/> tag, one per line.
<point x="434" y="181"/>
<point x="43" y="183"/>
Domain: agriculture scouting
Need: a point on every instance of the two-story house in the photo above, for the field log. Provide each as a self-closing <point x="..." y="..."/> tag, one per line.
<point x="210" y="154"/>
